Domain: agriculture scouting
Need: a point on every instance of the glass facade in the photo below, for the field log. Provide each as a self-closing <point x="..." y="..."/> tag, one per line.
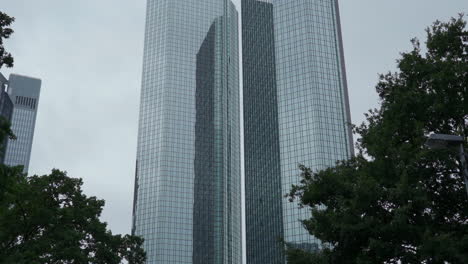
<point x="310" y="111"/>
<point x="187" y="203"/>
<point x="263" y="193"/>
<point x="24" y="93"/>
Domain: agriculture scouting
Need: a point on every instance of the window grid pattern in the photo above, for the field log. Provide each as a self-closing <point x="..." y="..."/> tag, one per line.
<point x="19" y="150"/>
<point x="24" y="94"/>
<point x="312" y="101"/>
<point x="263" y="196"/>
<point x="188" y="141"/>
<point x="296" y="111"/>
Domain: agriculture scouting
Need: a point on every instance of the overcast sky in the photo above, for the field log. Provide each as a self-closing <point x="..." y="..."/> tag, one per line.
<point x="88" y="54"/>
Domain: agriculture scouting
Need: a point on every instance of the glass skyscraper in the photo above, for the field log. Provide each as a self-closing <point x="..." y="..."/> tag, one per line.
<point x="187" y="203"/>
<point x="296" y="111"/>
<point x="24" y="93"/>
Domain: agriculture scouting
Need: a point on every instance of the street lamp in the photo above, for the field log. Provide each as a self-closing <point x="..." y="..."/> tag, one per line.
<point x="443" y="141"/>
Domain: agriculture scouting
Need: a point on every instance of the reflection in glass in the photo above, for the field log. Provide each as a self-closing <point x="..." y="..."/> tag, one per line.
<point x="208" y="162"/>
<point x="292" y="59"/>
<point x="187" y="182"/>
<point x="261" y="140"/>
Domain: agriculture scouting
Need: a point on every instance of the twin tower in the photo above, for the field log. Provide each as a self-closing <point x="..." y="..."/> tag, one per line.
<point x="294" y="110"/>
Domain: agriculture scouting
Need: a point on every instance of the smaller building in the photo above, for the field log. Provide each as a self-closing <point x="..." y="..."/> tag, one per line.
<point x="6" y="110"/>
<point x="3" y="81"/>
<point x="6" y="105"/>
<point x="24" y="93"/>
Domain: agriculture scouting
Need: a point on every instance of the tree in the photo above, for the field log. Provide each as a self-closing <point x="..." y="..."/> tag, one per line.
<point x="47" y="219"/>
<point x="5" y="32"/>
<point x="398" y="201"/>
<point x="5" y="132"/>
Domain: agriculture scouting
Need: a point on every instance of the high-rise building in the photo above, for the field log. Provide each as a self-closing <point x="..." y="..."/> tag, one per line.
<point x="6" y="105"/>
<point x="3" y="82"/>
<point x="6" y="110"/>
<point x="296" y="111"/>
<point x="187" y="203"/>
<point x="24" y="93"/>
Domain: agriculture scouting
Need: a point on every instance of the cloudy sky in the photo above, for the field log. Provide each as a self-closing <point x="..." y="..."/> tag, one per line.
<point x="88" y="54"/>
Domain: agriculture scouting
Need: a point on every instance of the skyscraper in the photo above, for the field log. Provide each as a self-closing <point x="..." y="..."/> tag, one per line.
<point x="187" y="203"/>
<point x="24" y="93"/>
<point x="296" y="111"/>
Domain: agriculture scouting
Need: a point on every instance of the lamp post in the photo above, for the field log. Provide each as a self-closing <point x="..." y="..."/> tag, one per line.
<point x="444" y="141"/>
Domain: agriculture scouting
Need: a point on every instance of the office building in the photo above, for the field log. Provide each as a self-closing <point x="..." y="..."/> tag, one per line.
<point x="296" y="111"/>
<point x="24" y="93"/>
<point x="6" y="110"/>
<point x="3" y="82"/>
<point x="187" y="203"/>
<point x="6" y="105"/>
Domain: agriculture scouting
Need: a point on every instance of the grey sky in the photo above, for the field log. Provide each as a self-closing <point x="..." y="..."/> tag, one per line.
<point x="88" y="54"/>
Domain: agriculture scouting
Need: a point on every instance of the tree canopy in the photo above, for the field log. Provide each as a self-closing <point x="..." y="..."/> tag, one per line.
<point x="47" y="219"/>
<point x="5" y="32"/>
<point x="398" y="201"/>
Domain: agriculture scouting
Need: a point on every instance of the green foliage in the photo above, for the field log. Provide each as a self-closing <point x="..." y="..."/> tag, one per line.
<point x="5" y="130"/>
<point x="298" y="256"/>
<point x="5" y="32"/>
<point x="5" y="133"/>
<point x="47" y="219"/>
<point x="397" y="201"/>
